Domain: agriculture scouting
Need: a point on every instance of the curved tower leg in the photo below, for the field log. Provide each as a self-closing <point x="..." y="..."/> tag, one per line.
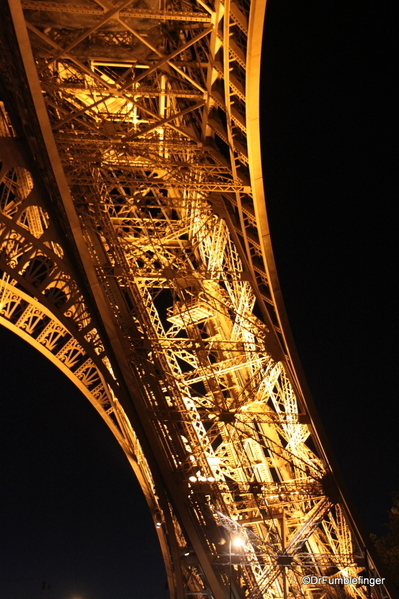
<point x="135" y="254"/>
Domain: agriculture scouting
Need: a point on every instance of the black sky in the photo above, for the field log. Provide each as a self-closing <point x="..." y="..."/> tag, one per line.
<point x="71" y="511"/>
<point x="329" y="153"/>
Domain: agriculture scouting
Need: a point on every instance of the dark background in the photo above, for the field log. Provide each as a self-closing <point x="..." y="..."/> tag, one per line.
<point x="329" y="147"/>
<point x="72" y="514"/>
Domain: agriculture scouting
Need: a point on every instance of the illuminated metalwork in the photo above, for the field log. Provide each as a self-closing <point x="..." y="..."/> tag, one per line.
<point x="135" y="254"/>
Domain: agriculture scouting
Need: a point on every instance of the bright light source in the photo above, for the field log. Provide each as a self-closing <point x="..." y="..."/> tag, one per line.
<point x="211" y="479"/>
<point x="193" y="479"/>
<point x="158" y="524"/>
<point x="238" y="542"/>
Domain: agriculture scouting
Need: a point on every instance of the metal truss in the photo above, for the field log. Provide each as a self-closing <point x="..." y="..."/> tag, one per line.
<point x="135" y="255"/>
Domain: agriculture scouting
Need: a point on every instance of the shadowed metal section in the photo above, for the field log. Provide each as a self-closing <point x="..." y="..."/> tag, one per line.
<point x="135" y="254"/>
<point x="41" y="301"/>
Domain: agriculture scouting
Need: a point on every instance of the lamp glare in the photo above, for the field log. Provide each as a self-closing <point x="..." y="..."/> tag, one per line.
<point x="238" y="542"/>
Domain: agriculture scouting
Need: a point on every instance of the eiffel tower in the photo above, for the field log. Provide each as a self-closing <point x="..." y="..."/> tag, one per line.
<point x="135" y="255"/>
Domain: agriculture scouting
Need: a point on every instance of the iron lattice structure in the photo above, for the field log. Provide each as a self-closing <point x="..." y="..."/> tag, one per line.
<point x="135" y="254"/>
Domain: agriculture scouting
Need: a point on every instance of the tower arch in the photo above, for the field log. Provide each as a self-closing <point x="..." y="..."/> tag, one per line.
<point x="140" y="133"/>
<point x="41" y="303"/>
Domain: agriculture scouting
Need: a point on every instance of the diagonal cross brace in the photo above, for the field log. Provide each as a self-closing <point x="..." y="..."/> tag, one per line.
<point x="107" y="16"/>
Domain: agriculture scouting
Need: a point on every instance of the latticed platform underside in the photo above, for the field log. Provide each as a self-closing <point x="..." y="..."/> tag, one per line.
<point x="134" y="254"/>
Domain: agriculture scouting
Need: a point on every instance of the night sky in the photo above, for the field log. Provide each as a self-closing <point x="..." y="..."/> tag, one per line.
<point x="72" y="514"/>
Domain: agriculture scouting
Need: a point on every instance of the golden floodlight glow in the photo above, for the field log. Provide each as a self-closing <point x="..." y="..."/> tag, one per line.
<point x="157" y="172"/>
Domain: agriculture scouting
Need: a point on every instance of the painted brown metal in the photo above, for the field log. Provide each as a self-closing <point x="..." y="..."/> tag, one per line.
<point x="135" y="254"/>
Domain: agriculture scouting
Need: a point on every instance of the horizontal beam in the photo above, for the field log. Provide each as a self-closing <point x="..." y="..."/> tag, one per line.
<point x="131" y="13"/>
